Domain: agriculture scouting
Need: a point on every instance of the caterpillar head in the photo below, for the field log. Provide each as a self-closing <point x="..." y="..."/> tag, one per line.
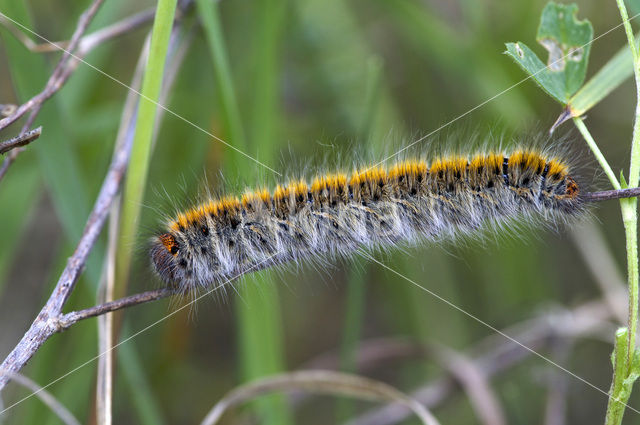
<point x="167" y="259"/>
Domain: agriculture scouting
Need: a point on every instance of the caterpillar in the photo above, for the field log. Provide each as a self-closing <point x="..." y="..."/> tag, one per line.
<point x="336" y="214"/>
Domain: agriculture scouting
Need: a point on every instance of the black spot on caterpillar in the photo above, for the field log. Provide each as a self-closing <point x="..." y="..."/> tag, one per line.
<point x="338" y="214"/>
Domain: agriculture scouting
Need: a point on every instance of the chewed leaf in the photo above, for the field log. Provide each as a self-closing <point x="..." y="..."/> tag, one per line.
<point x="566" y="40"/>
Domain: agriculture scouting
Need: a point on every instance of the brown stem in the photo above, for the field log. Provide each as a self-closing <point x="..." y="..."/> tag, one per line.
<point x="70" y="318"/>
<point x="606" y="195"/>
<point x="13" y="154"/>
<point x="20" y="140"/>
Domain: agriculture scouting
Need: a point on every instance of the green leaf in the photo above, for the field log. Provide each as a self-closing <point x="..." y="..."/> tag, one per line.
<point x="532" y="65"/>
<point x="567" y="41"/>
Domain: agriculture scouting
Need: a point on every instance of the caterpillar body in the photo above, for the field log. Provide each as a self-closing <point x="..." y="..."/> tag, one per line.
<point x="336" y="214"/>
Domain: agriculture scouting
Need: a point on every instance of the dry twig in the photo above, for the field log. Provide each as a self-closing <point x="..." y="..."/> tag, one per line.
<point x="66" y="320"/>
<point x="89" y="41"/>
<point x="475" y="383"/>
<point x="21" y="140"/>
<point x="556" y="408"/>
<point x="319" y="381"/>
<point x="61" y="73"/>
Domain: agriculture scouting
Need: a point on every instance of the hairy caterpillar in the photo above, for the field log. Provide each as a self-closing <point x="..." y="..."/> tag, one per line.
<point x="337" y="214"/>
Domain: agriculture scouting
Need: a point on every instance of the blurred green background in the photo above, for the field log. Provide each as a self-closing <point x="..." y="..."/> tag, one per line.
<point x="311" y="79"/>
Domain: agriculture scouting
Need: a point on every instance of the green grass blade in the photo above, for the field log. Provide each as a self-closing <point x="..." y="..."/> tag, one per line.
<point x="258" y="314"/>
<point x="356" y="289"/>
<point x="261" y="342"/>
<point x="141" y="151"/>
<point x="258" y="311"/>
<point x="231" y="119"/>
<point x="146" y="406"/>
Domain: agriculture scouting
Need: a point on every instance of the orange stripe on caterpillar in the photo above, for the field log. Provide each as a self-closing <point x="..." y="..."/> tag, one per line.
<point x="339" y="213"/>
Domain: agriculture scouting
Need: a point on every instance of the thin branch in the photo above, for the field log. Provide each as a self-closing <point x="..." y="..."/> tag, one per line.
<point x="70" y="318"/>
<point x="607" y="195"/>
<point x="116" y="29"/>
<point x="21" y="140"/>
<point x="89" y="41"/>
<point x="63" y="69"/>
<point x="13" y="154"/>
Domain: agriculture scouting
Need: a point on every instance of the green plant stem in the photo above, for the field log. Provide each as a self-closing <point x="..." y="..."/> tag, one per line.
<point x="630" y="220"/>
<point x="619" y="359"/>
<point x="634" y="168"/>
<point x="625" y="361"/>
<point x="629" y="206"/>
<point x="596" y="152"/>
<point x="628" y="30"/>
